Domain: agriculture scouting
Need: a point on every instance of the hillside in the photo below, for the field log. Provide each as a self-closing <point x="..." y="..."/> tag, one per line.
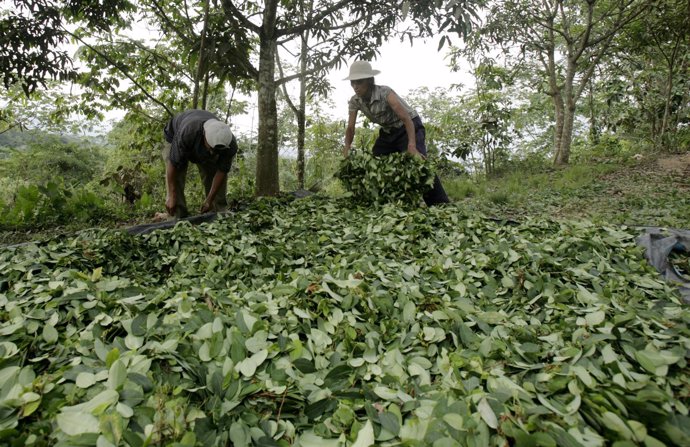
<point x="651" y="191"/>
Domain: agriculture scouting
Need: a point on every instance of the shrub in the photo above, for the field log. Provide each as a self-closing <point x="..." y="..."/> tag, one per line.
<point x="49" y="157"/>
<point x="50" y="204"/>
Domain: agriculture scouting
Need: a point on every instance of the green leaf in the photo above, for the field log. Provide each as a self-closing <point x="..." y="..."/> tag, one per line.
<point x="455" y="420"/>
<point x="595" y="318"/>
<point x="389" y="422"/>
<point x="113" y="355"/>
<point x="538" y="439"/>
<point x="139" y="325"/>
<point x="320" y="408"/>
<point x="117" y="374"/>
<point x="309" y="439"/>
<point x="85" y="379"/>
<point x="75" y="423"/>
<point x="487" y="413"/>
<point x="239" y="434"/>
<point x="613" y="422"/>
<point x="97" y="405"/>
<point x="365" y="436"/>
<point x="304" y="365"/>
<point x="337" y="376"/>
<point x="30" y="407"/>
<point x="249" y="365"/>
<point x="50" y="334"/>
<point x="112" y="427"/>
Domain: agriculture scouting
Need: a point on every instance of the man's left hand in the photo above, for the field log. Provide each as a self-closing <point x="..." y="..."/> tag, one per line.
<point x="412" y="150"/>
<point x="206" y="207"/>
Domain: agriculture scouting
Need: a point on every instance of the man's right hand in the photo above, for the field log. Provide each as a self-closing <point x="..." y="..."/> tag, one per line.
<point x="170" y="204"/>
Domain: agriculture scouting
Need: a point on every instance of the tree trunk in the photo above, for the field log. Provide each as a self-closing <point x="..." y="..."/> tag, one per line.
<point x="667" y="107"/>
<point x="563" y="151"/>
<point x="204" y="92"/>
<point x="559" y="110"/>
<point x="200" y="65"/>
<point x="301" y="116"/>
<point x="593" y="126"/>
<point x="567" y="97"/>
<point x="267" y="180"/>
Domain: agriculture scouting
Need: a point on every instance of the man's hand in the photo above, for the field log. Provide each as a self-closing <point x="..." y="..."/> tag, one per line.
<point x="206" y="207"/>
<point x="170" y="204"/>
<point x="412" y="150"/>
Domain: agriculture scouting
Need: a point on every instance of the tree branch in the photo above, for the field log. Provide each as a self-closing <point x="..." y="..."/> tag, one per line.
<point x="284" y="87"/>
<point x="308" y="24"/>
<point x="230" y="9"/>
<point x="122" y="70"/>
<point x="163" y="17"/>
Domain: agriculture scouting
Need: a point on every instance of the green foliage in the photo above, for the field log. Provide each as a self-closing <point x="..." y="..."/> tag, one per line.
<point x="33" y="39"/>
<point x="48" y="156"/>
<point x="460" y="188"/>
<point x="477" y="124"/>
<point x="49" y="110"/>
<point x="608" y="148"/>
<point x="312" y="323"/>
<point x="397" y="177"/>
<point x="323" y="147"/>
<point x="134" y="166"/>
<point x="447" y="120"/>
<point x="241" y="177"/>
<point x="51" y="204"/>
<point x="645" y="94"/>
<point x="44" y="183"/>
<point x="499" y="197"/>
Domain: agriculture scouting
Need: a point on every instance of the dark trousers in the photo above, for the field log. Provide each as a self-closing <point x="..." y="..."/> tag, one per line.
<point x="396" y="141"/>
<point x="207" y="171"/>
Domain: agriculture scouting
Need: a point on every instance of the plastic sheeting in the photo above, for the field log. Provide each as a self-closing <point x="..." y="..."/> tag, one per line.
<point x="659" y="243"/>
<point x="194" y="220"/>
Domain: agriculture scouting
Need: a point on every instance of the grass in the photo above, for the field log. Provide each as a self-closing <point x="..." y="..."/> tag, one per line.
<point x="637" y="195"/>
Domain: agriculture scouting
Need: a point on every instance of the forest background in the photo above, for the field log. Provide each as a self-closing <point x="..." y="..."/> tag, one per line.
<point x="562" y="102"/>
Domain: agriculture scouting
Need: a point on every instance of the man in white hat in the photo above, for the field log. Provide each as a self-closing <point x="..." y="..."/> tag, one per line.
<point x="401" y="128"/>
<point x="197" y="136"/>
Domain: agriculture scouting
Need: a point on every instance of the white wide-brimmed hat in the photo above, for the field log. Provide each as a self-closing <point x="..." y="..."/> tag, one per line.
<point x="361" y="70"/>
<point x="218" y="134"/>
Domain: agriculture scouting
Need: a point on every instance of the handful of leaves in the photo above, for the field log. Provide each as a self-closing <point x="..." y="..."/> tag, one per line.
<point x="396" y="177"/>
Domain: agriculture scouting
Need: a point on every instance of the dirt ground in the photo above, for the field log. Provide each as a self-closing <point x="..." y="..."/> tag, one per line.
<point x="676" y="164"/>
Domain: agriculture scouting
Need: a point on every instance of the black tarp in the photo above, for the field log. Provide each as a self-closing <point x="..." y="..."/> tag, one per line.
<point x="194" y="220"/>
<point x="659" y="244"/>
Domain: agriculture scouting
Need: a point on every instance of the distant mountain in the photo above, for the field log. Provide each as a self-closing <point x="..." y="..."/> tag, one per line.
<point x="20" y="139"/>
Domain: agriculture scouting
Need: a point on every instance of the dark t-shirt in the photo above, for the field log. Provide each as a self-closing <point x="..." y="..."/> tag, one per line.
<point x="185" y="133"/>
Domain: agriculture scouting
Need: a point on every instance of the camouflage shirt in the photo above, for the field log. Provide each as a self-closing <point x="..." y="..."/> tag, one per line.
<point x="378" y="110"/>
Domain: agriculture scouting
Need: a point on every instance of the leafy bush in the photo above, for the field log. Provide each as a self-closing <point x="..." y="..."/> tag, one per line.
<point x="397" y="177"/>
<point x="51" y="156"/>
<point x="52" y="203"/>
<point x="610" y="148"/>
<point x="241" y="178"/>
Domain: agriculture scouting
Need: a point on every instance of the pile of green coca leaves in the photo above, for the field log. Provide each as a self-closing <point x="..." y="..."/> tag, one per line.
<point x="396" y="178"/>
<point x="312" y="323"/>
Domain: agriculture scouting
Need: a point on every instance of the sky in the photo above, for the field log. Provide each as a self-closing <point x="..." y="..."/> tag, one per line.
<point x="403" y="68"/>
